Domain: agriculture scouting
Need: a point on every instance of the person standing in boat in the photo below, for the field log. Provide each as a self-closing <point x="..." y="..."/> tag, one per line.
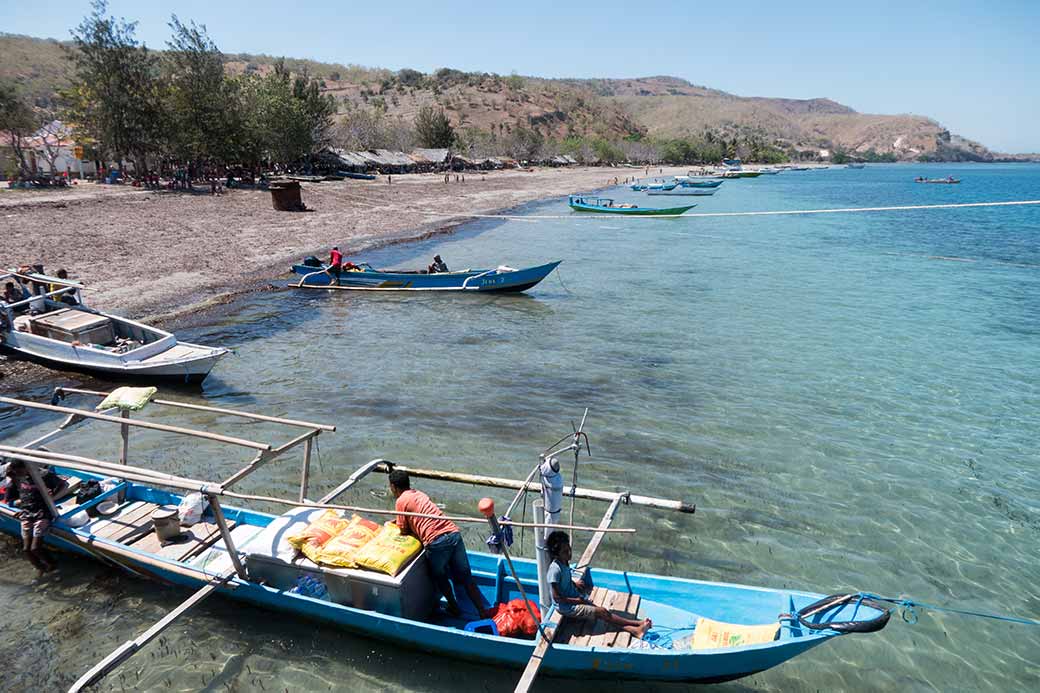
<point x="34" y="514"/>
<point x="445" y="550"/>
<point x="335" y="263"/>
<point x="569" y="595"/>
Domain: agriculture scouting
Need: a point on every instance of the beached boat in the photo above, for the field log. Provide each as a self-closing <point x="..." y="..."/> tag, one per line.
<point x="696" y="182"/>
<point x="365" y="278"/>
<point x="702" y="631"/>
<point x="683" y="191"/>
<point x="71" y="336"/>
<point x="356" y="176"/>
<point x="606" y="205"/>
<point x="950" y="180"/>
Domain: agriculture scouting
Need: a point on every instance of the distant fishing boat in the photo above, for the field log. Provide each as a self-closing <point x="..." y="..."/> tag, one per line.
<point x="690" y="182"/>
<point x="855" y="165"/>
<point x="949" y="180"/>
<point x="734" y="164"/>
<point x="605" y="205"/>
<point x="365" y="278"/>
<point x="799" y="168"/>
<point x="768" y="171"/>
<point x="684" y="192"/>
<point x="640" y="186"/>
<point x="356" y="176"/>
<point x="60" y="335"/>
<point x="741" y="174"/>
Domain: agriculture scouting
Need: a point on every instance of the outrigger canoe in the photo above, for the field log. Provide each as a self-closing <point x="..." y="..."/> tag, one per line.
<point x="684" y="192"/>
<point x="365" y="278"/>
<point x="606" y="205"/>
<point x="689" y="182"/>
<point x="702" y="631"/>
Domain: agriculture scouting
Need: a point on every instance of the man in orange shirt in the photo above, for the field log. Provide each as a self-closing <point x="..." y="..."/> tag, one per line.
<point x="445" y="550"/>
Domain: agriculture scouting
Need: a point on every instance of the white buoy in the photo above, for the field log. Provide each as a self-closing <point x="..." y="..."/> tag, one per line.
<point x="552" y="491"/>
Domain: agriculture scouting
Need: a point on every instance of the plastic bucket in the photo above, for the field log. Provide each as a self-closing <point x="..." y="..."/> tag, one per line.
<point x="167" y="522"/>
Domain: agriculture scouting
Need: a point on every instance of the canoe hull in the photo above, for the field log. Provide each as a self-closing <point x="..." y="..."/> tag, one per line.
<point x="578" y="206"/>
<point x="193" y="372"/>
<point x="483" y="281"/>
<point x="662" y="599"/>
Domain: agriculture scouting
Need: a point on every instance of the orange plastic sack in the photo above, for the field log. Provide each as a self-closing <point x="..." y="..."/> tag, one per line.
<point x="317" y="533"/>
<point x="342" y="548"/>
<point x="389" y="552"/>
<point x="513" y="620"/>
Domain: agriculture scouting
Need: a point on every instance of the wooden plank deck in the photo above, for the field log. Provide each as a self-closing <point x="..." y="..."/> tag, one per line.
<point x="132" y="520"/>
<point x="598" y="633"/>
<point x="192" y="541"/>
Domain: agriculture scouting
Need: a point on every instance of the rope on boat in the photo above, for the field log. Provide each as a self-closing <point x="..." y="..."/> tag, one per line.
<point x="909" y="614"/>
<point x="779" y="212"/>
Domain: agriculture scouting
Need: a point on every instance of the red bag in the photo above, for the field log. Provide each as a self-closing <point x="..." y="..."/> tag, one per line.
<point x="513" y="619"/>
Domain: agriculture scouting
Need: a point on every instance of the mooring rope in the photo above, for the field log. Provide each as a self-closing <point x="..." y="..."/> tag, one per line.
<point x="778" y="212"/>
<point x="907" y="607"/>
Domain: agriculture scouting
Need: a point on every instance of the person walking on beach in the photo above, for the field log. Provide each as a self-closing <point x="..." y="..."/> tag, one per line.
<point x="335" y="263"/>
<point x="445" y="550"/>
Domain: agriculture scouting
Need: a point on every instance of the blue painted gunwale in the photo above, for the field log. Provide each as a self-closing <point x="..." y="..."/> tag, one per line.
<point x="663" y="600"/>
<point x="374" y="280"/>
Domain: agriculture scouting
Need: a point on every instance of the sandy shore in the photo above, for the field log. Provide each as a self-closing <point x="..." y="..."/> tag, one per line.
<point x="150" y="255"/>
<point x="145" y="253"/>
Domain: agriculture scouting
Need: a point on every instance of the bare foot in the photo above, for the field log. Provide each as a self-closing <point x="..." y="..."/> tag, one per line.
<point x="643" y="628"/>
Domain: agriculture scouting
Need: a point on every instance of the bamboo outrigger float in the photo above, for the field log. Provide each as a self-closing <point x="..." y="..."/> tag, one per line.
<point x="242" y="554"/>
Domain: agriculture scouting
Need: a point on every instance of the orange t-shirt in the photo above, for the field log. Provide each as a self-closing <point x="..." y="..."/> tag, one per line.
<point x="425" y="529"/>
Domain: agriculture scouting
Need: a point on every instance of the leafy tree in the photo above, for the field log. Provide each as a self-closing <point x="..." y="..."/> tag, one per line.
<point x="118" y="102"/>
<point x="433" y="128"/>
<point x="17" y="121"/>
<point x="410" y="78"/>
<point x="203" y="120"/>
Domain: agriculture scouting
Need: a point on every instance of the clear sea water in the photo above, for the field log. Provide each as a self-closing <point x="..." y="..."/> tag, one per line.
<point x="851" y="400"/>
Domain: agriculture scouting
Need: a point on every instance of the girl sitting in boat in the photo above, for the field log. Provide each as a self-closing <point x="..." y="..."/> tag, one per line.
<point x="570" y="595"/>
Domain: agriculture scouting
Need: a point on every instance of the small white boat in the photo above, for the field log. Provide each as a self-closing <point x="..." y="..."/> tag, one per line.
<point x="55" y="328"/>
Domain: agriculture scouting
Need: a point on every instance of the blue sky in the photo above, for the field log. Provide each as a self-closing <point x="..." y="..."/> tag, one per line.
<point x="973" y="66"/>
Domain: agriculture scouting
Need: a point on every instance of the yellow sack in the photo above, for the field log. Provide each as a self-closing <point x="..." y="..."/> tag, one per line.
<point x="317" y="534"/>
<point x="342" y="548"/>
<point x="389" y="552"/>
<point x="713" y="634"/>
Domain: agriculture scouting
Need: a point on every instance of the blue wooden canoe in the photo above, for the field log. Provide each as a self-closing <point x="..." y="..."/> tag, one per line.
<point x="692" y="183"/>
<point x="605" y="205"/>
<point x="500" y="279"/>
<point x="673" y="604"/>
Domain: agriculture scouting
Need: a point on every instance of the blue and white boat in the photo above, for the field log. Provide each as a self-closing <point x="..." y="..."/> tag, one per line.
<point x="366" y="278"/>
<point x="702" y="631"/>
<point x="698" y="182"/>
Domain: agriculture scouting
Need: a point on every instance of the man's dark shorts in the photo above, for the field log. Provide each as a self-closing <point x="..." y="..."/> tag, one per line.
<point x="447" y="556"/>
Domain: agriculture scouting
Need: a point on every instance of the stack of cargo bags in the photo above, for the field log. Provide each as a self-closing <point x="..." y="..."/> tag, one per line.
<point x="334" y="541"/>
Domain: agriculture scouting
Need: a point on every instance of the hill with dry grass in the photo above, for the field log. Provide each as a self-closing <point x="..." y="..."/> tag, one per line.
<point x="613" y="109"/>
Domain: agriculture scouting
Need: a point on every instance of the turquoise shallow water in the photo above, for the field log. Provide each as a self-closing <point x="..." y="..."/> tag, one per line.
<point x="852" y="401"/>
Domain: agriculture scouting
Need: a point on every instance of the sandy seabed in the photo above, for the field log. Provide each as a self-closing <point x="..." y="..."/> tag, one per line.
<point x="152" y="255"/>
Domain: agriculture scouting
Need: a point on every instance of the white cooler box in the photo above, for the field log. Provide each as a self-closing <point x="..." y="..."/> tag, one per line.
<point x="270" y="559"/>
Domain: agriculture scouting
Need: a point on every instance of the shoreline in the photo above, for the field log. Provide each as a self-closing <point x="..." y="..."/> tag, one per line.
<point x="166" y="257"/>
